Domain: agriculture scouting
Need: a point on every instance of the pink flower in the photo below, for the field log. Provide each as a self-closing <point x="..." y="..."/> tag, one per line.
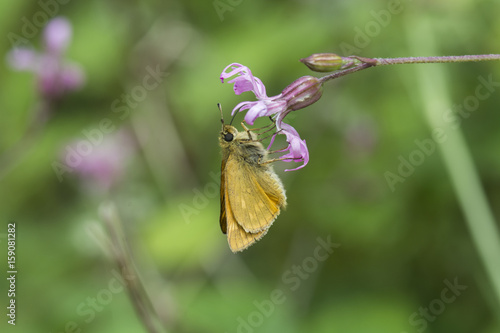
<point x="103" y="166"/>
<point x="299" y="94"/>
<point x="245" y="81"/>
<point x="297" y="148"/>
<point x="55" y="75"/>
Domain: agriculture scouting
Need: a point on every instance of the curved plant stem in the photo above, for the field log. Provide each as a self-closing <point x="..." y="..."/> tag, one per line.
<point x="139" y="297"/>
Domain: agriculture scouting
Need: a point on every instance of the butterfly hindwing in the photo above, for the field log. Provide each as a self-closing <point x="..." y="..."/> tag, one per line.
<point x="237" y="237"/>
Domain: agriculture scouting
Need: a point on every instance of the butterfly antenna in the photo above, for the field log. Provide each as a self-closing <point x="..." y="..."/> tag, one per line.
<point x="232" y="119"/>
<point x="221" y="115"/>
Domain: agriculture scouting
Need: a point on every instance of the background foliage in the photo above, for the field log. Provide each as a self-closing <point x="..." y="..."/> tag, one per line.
<point x="397" y="247"/>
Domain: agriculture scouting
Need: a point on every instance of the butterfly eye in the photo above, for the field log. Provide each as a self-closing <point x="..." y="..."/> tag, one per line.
<point x="228" y="137"/>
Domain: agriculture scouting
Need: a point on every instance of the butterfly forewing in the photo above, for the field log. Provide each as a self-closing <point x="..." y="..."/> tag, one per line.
<point x="237" y="237"/>
<point x="223" y="218"/>
<point x="253" y="208"/>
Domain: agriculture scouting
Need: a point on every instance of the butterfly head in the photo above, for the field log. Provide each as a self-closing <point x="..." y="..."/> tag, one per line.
<point x="228" y="134"/>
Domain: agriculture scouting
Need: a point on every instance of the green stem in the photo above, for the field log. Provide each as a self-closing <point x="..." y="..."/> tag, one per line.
<point x="363" y="63"/>
<point x="138" y="295"/>
<point x="435" y="60"/>
<point x="346" y="71"/>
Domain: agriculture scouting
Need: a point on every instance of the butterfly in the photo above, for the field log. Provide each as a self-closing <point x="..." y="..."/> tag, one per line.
<point x="251" y="193"/>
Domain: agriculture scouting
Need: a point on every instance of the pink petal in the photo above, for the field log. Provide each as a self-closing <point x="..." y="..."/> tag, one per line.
<point x="296" y="146"/>
<point x="259" y="109"/>
<point x="241" y="84"/>
<point x="57" y="35"/>
<point x="23" y="59"/>
<point x="245" y="80"/>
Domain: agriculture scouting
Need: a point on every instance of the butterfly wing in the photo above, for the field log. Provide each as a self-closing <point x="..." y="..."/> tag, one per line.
<point x="254" y="202"/>
<point x="237" y="238"/>
<point x="223" y="216"/>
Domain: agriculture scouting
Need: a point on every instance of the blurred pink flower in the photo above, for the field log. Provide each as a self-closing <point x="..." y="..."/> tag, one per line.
<point x="101" y="165"/>
<point x="55" y="76"/>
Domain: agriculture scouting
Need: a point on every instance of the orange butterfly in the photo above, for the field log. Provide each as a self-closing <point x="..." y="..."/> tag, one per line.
<point x="251" y="194"/>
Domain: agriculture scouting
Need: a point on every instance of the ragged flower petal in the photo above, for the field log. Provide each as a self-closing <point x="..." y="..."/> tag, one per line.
<point x="299" y="94"/>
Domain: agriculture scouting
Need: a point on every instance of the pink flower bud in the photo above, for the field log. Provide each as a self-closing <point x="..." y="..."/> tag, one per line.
<point x="327" y="62"/>
<point x="302" y="92"/>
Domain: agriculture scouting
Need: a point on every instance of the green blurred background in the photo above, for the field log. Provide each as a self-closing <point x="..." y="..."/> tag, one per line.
<point x="397" y="250"/>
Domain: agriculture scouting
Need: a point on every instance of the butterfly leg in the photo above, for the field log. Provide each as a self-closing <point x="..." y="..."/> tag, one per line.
<point x="271" y="161"/>
<point x="269" y="127"/>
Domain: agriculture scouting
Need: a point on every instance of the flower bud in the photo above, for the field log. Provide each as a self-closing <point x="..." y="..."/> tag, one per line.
<point x="302" y="92"/>
<point x="327" y="62"/>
